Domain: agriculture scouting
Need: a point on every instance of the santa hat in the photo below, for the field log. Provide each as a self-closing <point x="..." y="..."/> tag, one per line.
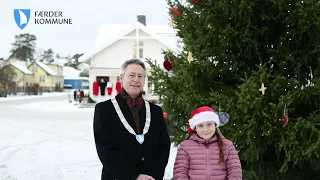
<point x="200" y="115"/>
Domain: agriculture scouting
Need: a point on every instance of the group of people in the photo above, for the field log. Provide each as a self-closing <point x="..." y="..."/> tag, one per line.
<point x="78" y="95"/>
<point x="133" y="143"/>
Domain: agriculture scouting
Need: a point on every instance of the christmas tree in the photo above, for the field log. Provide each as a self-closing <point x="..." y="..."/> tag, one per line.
<point x="259" y="61"/>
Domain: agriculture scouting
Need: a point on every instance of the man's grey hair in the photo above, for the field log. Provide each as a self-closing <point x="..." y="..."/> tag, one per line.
<point x="132" y="61"/>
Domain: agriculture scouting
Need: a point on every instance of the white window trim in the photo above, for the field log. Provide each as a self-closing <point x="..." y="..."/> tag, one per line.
<point x="137" y="45"/>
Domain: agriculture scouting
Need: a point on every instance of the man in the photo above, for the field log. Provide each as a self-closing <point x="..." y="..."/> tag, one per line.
<point x="131" y="136"/>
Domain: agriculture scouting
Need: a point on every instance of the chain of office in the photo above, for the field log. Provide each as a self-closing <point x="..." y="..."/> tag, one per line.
<point x="51" y="17"/>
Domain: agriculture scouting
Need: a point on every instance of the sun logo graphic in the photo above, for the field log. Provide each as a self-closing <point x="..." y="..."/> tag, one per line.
<point x="21" y="16"/>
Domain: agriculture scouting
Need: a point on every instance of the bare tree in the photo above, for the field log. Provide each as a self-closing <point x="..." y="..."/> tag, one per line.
<point x="7" y="82"/>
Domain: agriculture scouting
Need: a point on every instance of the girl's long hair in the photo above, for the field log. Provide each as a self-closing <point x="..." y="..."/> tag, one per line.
<point x="220" y="142"/>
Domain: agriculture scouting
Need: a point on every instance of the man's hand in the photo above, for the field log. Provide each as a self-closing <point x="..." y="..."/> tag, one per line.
<point x="144" y="177"/>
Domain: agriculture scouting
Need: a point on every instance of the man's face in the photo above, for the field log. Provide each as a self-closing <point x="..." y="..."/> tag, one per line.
<point x="133" y="80"/>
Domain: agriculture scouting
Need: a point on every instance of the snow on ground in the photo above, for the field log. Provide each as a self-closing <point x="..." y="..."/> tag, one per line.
<point x="23" y="97"/>
<point x="50" y="139"/>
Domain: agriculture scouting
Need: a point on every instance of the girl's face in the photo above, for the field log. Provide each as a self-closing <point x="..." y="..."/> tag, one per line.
<point x="206" y="130"/>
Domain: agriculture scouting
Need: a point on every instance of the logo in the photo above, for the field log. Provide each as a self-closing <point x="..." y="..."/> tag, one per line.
<point x="21" y="16"/>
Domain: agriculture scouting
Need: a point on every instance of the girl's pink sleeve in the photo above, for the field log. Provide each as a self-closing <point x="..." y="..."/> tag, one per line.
<point x="181" y="164"/>
<point x="234" y="171"/>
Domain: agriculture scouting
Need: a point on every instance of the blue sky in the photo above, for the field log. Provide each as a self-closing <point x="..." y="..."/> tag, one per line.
<point x="86" y="19"/>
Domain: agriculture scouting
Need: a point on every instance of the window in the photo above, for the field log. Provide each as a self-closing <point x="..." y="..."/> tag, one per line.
<point x="134" y="53"/>
<point x="42" y="78"/>
<point x="34" y="68"/>
<point x="135" y="48"/>
<point x="140" y="52"/>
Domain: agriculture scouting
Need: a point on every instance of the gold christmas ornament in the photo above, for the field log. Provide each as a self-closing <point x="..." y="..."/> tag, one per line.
<point x="172" y="24"/>
<point x="190" y="58"/>
<point x="263" y="88"/>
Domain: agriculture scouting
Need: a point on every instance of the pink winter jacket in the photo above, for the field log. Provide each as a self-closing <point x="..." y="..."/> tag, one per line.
<point x="197" y="159"/>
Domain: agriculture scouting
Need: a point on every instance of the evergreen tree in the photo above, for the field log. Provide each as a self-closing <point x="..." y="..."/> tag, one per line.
<point x="47" y="56"/>
<point x="74" y="61"/>
<point x="2" y="62"/>
<point x="23" y="47"/>
<point x="238" y="47"/>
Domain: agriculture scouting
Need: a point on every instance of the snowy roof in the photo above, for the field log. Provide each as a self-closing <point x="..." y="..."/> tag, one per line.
<point x="59" y="61"/>
<point x="84" y="66"/>
<point x="46" y="68"/>
<point x="22" y="68"/>
<point x="77" y="78"/>
<point x="70" y="72"/>
<point x="110" y="33"/>
<point x="161" y="29"/>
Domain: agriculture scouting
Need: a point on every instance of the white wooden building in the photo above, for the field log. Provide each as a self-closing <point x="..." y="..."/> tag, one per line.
<point x="117" y="43"/>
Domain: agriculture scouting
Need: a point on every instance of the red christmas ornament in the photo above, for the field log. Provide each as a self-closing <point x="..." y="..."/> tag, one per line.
<point x="196" y="2"/>
<point x="175" y="12"/>
<point x="167" y="64"/>
<point x="284" y="120"/>
<point x="165" y="115"/>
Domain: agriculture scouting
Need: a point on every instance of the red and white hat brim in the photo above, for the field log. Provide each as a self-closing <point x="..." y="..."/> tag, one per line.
<point x="204" y="117"/>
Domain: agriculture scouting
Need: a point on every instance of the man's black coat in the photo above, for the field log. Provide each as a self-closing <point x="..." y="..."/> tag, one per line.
<point x="123" y="158"/>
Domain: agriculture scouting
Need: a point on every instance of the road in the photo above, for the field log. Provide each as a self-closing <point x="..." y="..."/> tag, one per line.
<point x="49" y="138"/>
<point x="62" y="97"/>
<point x="46" y="138"/>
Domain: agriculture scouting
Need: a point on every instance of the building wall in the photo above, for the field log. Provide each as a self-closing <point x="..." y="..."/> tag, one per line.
<point x="122" y="50"/>
<point x="109" y="61"/>
<point x="21" y="79"/>
<point x="42" y="77"/>
<point x="75" y="83"/>
<point x="58" y="79"/>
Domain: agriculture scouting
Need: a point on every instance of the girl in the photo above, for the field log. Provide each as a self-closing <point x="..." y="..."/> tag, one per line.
<point x="206" y="154"/>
